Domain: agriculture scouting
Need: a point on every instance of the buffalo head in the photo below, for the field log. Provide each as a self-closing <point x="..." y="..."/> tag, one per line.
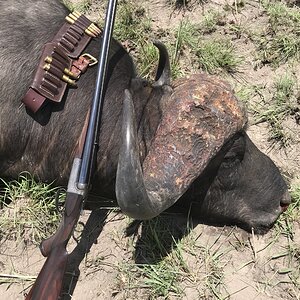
<point x="200" y="156"/>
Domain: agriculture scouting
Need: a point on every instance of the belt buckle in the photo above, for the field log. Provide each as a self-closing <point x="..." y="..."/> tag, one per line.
<point x="92" y="60"/>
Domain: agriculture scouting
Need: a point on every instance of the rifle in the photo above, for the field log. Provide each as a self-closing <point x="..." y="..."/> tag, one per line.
<point x="48" y="284"/>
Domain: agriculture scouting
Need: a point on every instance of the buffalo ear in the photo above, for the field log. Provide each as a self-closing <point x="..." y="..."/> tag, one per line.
<point x="163" y="73"/>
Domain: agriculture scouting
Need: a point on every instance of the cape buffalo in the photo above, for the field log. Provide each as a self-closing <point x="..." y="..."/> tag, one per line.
<point x="188" y="134"/>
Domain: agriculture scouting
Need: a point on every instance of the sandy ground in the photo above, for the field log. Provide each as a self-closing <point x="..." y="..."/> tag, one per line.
<point x="251" y="267"/>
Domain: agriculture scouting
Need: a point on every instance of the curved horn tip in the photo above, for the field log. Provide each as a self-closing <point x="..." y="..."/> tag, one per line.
<point x="163" y="73"/>
<point x="130" y="190"/>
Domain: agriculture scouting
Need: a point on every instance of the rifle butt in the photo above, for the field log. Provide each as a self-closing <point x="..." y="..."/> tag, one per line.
<point x="48" y="284"/>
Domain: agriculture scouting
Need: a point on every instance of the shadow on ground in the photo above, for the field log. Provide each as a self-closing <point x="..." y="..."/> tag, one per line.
<point x="89" y="236"/>
<point x="156" y="238"/>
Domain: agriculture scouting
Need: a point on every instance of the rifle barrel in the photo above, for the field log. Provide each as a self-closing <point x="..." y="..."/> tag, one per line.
<point x="96" y="109"/>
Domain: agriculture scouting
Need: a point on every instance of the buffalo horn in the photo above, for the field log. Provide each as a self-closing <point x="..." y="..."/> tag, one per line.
<point x="163" y="72"/>
<point x="130" y="189"/>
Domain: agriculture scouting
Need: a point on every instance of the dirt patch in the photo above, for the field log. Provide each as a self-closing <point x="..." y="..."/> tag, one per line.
<point x="219" y="262"/>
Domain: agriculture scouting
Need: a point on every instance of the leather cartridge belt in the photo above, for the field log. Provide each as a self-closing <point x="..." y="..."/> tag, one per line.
<point x="61" y="62"/>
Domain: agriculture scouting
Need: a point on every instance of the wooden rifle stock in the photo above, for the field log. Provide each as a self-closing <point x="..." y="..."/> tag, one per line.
<point x="49" y="281"/>
<point x="48" y="284"/>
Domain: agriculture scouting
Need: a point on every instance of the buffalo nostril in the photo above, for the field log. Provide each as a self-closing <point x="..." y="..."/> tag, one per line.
<point x="285" y="201"/>
<point x="283" y="206"/>
<point x="286" y="198"/>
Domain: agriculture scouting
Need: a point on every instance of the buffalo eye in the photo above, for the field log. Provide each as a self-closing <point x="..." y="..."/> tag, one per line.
<point x="230" y="161"/>
<point x="235" y="154"/>
<point x="228" y="170"/>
